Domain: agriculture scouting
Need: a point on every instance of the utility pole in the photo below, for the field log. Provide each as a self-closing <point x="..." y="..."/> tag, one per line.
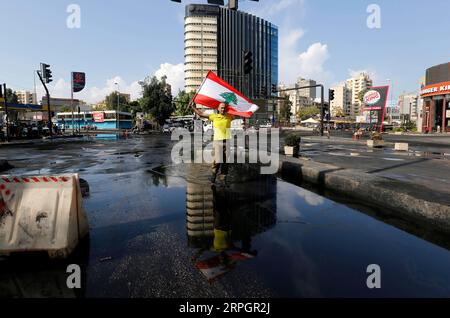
<point x="117" y="113"/>
<point x="6" y="112"/>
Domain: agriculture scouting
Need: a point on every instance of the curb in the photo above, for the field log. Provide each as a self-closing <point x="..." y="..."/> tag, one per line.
<point x="402" y="199"/>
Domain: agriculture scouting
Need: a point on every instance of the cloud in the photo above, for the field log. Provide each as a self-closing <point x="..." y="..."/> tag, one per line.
<point x="175" y="75"/>
<point x="311" y="62"/>
<point x="95" y="94"/>
<point x="307" y="64"/>
<point x="311" y="198"/>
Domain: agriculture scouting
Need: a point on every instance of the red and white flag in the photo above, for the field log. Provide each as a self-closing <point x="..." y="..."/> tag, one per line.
<point x="215" y="90"/>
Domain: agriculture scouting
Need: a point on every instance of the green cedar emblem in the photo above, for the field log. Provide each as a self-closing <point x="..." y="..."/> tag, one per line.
<point x="230" y="98"/>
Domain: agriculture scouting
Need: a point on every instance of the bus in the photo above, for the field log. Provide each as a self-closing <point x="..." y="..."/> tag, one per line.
<point x="93" y="120"/>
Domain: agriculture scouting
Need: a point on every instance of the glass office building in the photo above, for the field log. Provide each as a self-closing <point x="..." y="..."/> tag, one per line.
<point x="216" y="39"/>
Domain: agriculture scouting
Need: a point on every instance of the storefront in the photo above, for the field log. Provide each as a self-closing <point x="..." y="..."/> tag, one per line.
<point x="436" y="99"/>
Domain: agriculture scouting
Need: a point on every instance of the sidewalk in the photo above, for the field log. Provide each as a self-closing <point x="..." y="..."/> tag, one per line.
<point x="16" y="143"/>
<point x="404" y="200"/>
<point x="426" y="166"/>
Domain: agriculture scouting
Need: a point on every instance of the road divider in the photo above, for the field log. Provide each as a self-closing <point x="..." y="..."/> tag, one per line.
<point x="400" y="199"/>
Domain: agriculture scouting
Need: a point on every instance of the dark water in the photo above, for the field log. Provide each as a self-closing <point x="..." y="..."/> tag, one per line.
<point x="159" y="230"/>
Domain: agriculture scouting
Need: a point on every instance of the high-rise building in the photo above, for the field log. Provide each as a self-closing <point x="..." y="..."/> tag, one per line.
<point x="408" y="106"/>
<point x="26" y="97"/>
<point x="342" y="103"/>
<point x="357" y="84"/>
<point x="216" y="39"/>
<point x="306" y="92"/>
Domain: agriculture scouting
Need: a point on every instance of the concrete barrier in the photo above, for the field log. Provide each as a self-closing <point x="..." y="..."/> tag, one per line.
<point x="41" y="213"/>
<point x="406" y="200"/>
<point x="401" y="146"/>
<point x="375" y="143"/>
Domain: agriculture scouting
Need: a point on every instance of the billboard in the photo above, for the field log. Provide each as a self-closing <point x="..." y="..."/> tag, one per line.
<point x="375" y="98"/>
<point x="78" y="81"/>
<point x="99" y="117"/>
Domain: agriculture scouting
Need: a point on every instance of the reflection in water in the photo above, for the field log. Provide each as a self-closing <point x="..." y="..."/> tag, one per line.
<point x="159" y="176"/>
<point x="221" y="221"/>
<point x="34" y="275"/>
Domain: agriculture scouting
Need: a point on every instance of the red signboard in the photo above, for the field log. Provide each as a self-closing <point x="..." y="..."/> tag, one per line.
<point x="99" y="117"/>
<point x="78" y="81"/>
<point x="436" y="89"/>
<point x="375" y="100"/>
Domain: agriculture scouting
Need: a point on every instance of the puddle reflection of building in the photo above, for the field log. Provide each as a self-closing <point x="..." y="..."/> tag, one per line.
<point x="221" y="221"/>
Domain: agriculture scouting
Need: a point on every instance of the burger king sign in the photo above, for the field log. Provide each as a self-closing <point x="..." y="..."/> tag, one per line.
<point x="375" y="98"/>
<point x="371" y="97"/>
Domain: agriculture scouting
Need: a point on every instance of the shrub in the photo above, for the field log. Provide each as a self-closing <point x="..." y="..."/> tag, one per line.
<point x="292" y="140"/>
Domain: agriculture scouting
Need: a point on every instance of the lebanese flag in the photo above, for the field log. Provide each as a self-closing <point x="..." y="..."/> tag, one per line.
<point x="215" y="90"/>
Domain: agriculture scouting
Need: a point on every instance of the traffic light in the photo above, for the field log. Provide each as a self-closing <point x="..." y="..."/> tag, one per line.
<point x="248" y="62"/>
<point x="274" y="88"/>
<point x="1" y="91"/>
<point x="46" y="73"/>
<point x="331" y="95"/>
<point x="263" y="91"/>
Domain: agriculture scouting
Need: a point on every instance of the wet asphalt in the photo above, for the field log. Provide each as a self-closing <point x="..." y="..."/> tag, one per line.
<point x="156" y="230"/>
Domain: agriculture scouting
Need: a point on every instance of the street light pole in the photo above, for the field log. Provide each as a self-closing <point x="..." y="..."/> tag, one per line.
<point x="392" y="91"/>
<point x="118" y="104"/>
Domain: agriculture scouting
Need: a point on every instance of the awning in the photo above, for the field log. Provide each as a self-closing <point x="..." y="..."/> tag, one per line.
<point x="310" y="121"/>
<point x="24" y="107"/>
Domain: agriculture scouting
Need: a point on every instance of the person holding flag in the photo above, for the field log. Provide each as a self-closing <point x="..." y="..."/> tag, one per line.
<point x="222" y="125"/>
<point x="218" y="94"/>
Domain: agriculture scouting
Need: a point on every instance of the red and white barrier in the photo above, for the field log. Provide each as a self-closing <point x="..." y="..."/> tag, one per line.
<point x="41" y="213"/>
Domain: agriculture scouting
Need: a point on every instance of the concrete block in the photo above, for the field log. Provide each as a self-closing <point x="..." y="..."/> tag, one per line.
<point x="401" y="146"/>
<point x="375" y="143"/>
<point x="291" y="151"/>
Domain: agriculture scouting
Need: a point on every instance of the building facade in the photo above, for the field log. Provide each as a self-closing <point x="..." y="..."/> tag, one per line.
<point x="215" y="40"/>
<point x="59" y="104"/>
<point x="26" y="97"/>
<point x="357" y="84"/>
<point x="408" y="105"/>
<point x="310" y="93"/>
<point x="436" y="99"/>
<point x="342" y="104"/>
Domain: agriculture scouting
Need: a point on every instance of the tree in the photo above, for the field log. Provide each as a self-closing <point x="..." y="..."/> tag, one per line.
<point x="307" y="112"/>
<point x="361" y="95"/>
<point x="11" y="96"/>
<point x="111" y="102"/>
<point x="182" y="103"/>
<point x="285" y="110"/>
<point x="339" y="112"/>
<point x="66" y="109"/>
<point x="156" y="98"/>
